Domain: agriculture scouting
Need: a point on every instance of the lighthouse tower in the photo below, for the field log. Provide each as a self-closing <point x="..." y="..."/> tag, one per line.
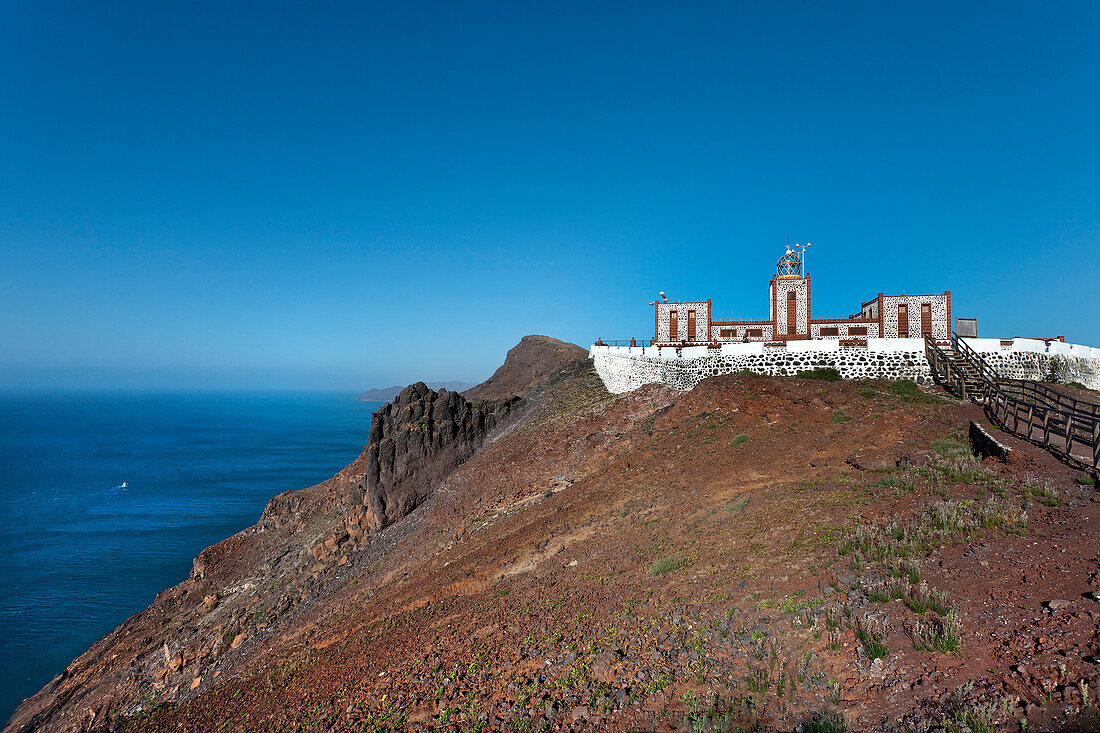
<point x="789" y="298"/>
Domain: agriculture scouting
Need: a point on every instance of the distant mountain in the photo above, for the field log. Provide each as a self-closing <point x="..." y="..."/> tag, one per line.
<point x="386" y="394"/>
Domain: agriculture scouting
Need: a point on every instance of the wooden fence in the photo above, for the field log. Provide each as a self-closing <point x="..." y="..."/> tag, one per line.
<point x="1065" y="425"/>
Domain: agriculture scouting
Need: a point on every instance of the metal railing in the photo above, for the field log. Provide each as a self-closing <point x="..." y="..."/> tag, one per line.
<point x="623" y="342"/>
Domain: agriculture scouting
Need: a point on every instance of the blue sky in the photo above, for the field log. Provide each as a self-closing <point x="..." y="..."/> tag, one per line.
<point x="339" y="196"/>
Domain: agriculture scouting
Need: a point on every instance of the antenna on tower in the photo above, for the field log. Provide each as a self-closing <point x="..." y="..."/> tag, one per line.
<point x="803" y="247"/>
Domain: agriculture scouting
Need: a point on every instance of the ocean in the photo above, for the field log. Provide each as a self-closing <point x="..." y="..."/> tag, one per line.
<point x="105" y="498"/>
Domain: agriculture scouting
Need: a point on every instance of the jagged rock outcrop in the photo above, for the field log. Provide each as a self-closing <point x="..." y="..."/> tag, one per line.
<point x="415" y="441"/>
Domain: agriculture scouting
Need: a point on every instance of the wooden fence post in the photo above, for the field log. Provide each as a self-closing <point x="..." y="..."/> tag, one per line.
<point x="1096" y="444"/>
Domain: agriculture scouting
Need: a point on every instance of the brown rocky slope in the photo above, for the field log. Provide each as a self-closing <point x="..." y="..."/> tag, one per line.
<point x="758" y="553"/>
<point x="246" y="588"/>
<point x="527" y="362"/>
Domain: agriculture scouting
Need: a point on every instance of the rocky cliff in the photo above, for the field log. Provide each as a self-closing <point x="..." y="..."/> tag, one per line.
<point x="245" y="589"/>
<point x="415" y="441"/>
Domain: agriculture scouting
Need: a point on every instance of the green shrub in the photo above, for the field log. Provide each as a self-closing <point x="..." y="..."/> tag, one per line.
<point x="1044" y="493"/>
<point x="826" y="721"/>
<point x="908" y="391"/>
<point x="737" y="506"/>
<point x="738" y="440"/>
<point x="876" y="650"/>
<point x="827" y="374"/>
<point x="951" y="448"/>
<point x="941" y="635"/>
<point x="923" y="599"/>
<point x="666" y="565"/>
<point x="1086" y="479"/>
<point x="872" y="632"/>
<point x="840" y="416"/>
<point x="935" y="525"/>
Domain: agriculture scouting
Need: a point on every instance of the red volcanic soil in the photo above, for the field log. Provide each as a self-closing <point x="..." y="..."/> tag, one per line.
<point x="758" y="553"/>
<point x="633" y="563"/>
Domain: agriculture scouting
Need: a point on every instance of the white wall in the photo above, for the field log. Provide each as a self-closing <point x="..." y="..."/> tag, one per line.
<point x="623" y="368"/>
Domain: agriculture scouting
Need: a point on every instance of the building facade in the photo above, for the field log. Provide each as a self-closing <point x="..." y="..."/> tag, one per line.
<point x="790" y="318"/>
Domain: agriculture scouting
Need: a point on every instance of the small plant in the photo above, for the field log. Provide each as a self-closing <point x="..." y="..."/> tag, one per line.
<point x="908" y="569"/>
<point x="923" y="599"/>
<point x="872" y="632"/>
<point x="1086" y="479"/>
<point x="951" y="448"/>
<point x="827" y="374"/>
<point x="666" y="565"/>
<point x="826" y="721"/>
<point x="738" y="440"/>
<point x="1044" y="493"/>
<point x="890" y="590"/>
<point x="840" y="416"/>
<point x="941" y="634"/>
<point x="908" y="391"/>
<point x="975" y="719"/>
<point x="737" y="506"/>
<point x="660" y="681"/>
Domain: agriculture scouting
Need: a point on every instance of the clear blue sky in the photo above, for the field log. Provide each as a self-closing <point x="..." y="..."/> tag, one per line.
<point x="340" y="196"/>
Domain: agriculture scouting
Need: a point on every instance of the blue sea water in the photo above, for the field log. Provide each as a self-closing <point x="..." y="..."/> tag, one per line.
<point x="80" y="553"/>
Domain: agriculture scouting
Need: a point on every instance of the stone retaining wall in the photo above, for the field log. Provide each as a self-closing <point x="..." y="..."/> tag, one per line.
<point x="623" y="371"/>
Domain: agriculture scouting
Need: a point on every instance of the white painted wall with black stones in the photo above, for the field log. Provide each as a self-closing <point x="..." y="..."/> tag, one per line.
<point x="782" y="287"/>
<point x="1030" y="365"/>
<point x="623" y="370"/>
<point x="940" y="328"/>
<point x="702" y="322"/>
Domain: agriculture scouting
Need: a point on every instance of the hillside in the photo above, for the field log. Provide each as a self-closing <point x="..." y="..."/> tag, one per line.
<point x="526" y="363"/>
<point x="385" y="394"/>
<point x="756" y="553"/>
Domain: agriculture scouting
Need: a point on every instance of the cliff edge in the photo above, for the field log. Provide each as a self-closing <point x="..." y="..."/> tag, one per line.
<point x="245" y="590"/>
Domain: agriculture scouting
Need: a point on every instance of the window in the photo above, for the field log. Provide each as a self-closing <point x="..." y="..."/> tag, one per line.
<point x="830" y="331"/>
<point x="727" y="333"/>
<point x="691" y="325"/>
<point x="673" y="326"/>
<point x="756" y="332"/>
<point x="903" y="320"/>
<point x="857" y="330"/>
